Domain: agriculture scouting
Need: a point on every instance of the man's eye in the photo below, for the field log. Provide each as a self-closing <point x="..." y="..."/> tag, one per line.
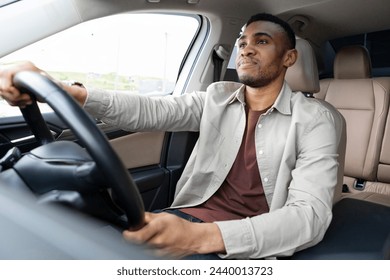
<point x="241" y="45"/>
<point x="262" y="41"/>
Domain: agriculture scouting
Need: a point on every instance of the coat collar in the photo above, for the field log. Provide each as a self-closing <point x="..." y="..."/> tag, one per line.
<point x="282" y="102"/>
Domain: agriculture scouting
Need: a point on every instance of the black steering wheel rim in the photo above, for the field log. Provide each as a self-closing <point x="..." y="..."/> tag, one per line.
<point x="84" y="127"/>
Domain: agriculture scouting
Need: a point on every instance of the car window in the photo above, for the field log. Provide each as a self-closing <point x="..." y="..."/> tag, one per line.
<point x="378" y="45"/>
<point x="126" y="52"/>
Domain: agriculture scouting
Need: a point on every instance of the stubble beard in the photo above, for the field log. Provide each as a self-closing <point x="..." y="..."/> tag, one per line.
<point x="256" y="81"/>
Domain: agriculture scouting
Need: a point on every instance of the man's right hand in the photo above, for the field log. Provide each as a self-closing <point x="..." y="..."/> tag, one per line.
<point x="16" y="98"/>
<point x="7" y="90"/>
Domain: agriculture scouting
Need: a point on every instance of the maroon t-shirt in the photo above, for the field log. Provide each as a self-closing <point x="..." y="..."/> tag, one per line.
<point x="241" y="194"/>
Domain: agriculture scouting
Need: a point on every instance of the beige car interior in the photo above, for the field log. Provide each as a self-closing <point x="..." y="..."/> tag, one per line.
<point x="362" y="100"/>
<point x="364" y="103"/>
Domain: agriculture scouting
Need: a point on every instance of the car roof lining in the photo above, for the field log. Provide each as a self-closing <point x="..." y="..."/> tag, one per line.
<point x="318" y="21"/>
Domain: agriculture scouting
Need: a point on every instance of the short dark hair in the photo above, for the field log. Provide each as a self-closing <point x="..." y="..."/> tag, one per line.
<point x="271" y="18"/>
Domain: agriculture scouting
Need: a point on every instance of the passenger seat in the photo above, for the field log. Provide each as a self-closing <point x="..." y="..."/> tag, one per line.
<point x="364" y="103"/>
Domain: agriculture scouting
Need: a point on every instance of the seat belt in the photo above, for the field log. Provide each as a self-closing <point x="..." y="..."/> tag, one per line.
<point x="220" y="55"/>
<point x="359" y="184"/>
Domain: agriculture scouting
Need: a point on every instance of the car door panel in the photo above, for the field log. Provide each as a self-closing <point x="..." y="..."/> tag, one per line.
<point x="139" y="149"/>
<point x="142" y="155"/>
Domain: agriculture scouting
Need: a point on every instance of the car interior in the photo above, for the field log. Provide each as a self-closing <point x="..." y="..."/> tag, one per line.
<point x="343" y="59"/>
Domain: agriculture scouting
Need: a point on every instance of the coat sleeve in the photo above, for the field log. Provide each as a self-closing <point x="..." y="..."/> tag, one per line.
<point x="133" y="112"/>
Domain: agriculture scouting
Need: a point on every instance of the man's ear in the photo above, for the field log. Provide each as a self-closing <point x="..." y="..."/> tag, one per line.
<point x="290" y="57"/>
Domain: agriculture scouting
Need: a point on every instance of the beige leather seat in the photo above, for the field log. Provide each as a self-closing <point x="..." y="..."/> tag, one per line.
<point x="364" y="103"/>
<point x="303" y="76"/>
<point x="382" y="185"/>
<point x="379" y="191"/>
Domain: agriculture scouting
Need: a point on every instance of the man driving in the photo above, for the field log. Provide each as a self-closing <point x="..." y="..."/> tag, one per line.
<point x="261" y="178"/>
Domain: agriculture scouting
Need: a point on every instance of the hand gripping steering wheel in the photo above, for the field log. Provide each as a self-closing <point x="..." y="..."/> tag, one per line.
<point x="84" y="127"/>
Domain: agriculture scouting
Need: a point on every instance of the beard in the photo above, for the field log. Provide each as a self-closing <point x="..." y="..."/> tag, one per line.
<point x="261" y="75"/>
<point x="256" y="81"/>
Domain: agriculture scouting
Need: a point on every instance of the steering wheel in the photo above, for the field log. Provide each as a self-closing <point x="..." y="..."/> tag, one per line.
<point x="84" y="127"/>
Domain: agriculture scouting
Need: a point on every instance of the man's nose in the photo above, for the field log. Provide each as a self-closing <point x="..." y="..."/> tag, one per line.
<point x="247" y="50"/>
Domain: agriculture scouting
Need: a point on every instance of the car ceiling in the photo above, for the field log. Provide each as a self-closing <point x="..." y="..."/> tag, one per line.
<point x="318" y="20"/>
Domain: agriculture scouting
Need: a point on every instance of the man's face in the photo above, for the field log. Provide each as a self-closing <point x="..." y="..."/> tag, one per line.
<point x="261" y="52"/>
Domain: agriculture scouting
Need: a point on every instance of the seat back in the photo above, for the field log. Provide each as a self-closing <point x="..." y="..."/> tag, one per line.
<point x="303" y="76"/>
<point x="382" y="183"/>
<point x="364" y="103"/>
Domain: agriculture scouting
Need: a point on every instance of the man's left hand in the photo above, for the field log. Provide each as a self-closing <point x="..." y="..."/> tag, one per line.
<point x="176" y="237"/>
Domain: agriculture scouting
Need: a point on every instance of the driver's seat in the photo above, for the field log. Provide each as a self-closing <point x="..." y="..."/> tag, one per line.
<point x="303" y="76"/>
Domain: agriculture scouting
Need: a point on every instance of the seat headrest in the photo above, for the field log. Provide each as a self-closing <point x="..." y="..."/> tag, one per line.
<point x="303" y="75"/>
<point x="352" y="62"/>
